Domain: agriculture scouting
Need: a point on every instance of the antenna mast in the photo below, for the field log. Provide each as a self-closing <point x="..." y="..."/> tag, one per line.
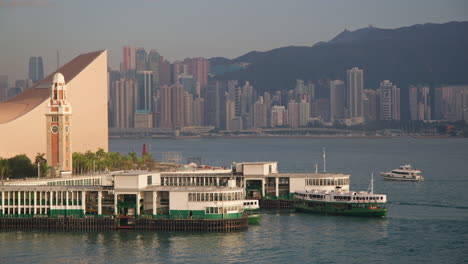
<point x="324" y="161"/>
<point x="371" y="185"/>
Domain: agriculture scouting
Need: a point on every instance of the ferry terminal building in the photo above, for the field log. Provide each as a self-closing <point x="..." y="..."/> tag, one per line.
<point x="214" y="193"/>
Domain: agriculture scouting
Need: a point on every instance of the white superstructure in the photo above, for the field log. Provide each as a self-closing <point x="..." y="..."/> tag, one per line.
<point x="404" y="173"/>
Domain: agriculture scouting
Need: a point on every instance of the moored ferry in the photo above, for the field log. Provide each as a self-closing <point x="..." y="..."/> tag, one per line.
<point x="339" y="202"/>
<point x="251" y="208"/>
<point x="404" y="173"/>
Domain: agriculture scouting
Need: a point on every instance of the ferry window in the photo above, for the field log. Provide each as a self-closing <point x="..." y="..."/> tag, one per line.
<point x="216" y="197"/>
<point x="198" y="197"/>
<point x="211" y="197"/>
<point x="190" y="197"/>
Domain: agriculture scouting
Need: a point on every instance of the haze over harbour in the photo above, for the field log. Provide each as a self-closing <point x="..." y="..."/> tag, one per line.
<point x="426" y="223"/>
<point x="233" y="131"/>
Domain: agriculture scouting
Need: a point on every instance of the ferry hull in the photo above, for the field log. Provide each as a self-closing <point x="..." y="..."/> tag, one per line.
<point x="254" y="219"/>
<point x="345" y="209"/>
<point x="390" y="178"/>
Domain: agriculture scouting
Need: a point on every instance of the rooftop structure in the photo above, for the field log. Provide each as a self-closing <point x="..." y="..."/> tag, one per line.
<point x="23" y="116"/>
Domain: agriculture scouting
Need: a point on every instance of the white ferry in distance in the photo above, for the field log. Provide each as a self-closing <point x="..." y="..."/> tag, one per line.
<point x="404" y="173"/>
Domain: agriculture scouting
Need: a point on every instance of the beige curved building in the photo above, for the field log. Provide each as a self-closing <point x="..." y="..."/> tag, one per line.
<point x="23" y="121"/>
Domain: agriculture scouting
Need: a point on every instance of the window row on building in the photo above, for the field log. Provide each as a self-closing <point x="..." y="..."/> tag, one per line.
<point x="223" y="210"/>
<point x="327" y="182"/>
<point x="192" y="181"/>
<point x="209" y="197"/>
<point x="76" y="182"/>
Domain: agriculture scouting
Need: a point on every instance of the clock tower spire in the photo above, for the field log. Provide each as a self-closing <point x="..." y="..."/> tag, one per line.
<point x="58" y="132"/>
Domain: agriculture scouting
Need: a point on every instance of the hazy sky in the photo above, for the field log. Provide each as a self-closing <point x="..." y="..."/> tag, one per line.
<point x="192" y="28"/>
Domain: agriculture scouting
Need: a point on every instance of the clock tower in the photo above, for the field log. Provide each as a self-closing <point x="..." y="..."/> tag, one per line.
<point x="58" y="129"/>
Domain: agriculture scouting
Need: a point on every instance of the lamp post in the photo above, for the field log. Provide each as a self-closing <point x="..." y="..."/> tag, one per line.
<point x="38" y="169"/>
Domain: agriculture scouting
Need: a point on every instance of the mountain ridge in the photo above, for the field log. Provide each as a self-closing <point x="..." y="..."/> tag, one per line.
<point x="430" y="54"/>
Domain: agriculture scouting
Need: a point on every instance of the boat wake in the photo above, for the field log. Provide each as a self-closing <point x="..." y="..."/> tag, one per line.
<point x="429" y="205"/>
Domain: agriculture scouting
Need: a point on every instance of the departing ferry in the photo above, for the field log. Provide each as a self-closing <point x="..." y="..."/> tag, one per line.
<point x="338" y="202"/>
<point x="404" y="173"/>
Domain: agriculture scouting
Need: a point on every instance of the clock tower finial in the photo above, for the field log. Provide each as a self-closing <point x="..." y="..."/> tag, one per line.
<point x="58" y="127"/>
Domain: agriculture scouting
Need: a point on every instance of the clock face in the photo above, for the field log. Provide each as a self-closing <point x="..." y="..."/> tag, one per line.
<point x="67" y="129"/>
<point x="54" y="129"/>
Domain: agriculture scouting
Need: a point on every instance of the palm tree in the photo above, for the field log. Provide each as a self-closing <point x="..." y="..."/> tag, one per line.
<point x="135" y="160"/>
<point x="148" y="160"/>
<point x="90" y="161"/>
<point x="115" y="161"/>
<point x="79" y="163"/>
<point x="101" y="159"/>
<point x="42" y="163"/>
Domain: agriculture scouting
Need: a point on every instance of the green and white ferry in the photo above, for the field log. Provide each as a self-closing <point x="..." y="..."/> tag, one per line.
<point x="338" y="202"/>
<point x="252" y="208"/>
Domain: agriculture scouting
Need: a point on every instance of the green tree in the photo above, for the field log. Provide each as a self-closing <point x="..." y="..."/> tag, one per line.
<point x="21" y="167"/>
<point x="4" y="168"/>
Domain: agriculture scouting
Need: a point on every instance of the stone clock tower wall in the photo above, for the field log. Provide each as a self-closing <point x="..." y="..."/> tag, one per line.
<point x="23" y="117"/>
<point x="58" y="127"/>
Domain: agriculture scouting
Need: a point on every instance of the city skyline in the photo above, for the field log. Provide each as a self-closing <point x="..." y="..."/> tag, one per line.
<point x="207" y="35"/>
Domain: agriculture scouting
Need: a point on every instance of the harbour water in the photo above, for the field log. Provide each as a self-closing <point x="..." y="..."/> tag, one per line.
<point x="427" y="222"/>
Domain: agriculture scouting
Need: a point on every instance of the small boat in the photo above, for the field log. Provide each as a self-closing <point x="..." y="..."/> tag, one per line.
<point x="251" y="208"/>
<point x="404" y="173"/>
<point x="338" y="202"/>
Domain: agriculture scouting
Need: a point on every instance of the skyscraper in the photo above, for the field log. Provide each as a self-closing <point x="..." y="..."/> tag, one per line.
<point x="454" y="102"/>
<point x="337" y="100"/>
<point x="371" y="105"/>
<point x="230" y="113"/>
<point x="188" y="107"/>
<point x="141" y="63"/>
<point x="200" y="67"/>
<point x="267" y="105"/>
<point x="259" y="115"/>
<point x="215" y="104"/>
<point x="124" y="102"/>
<point x="164" y="72"/>
<point x="166" y="108"/>
<point x="354" y="92"/>
<point x="128" y="59"/>
<point x="154" y="60"/>
<point x="279" y="116"/>
<point x="413" y="102"/>
<point x="419" y="103"/>
<point x="36" y="69"/>
<point x="198" y="111"/>
<point x="189" y="83"/>
<point x="178" y="106"/>
<point x="389" y="101"/>
<point x="303" y="113"/>
<point x="293" y="110"/>
<point x="145" y="90"/>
